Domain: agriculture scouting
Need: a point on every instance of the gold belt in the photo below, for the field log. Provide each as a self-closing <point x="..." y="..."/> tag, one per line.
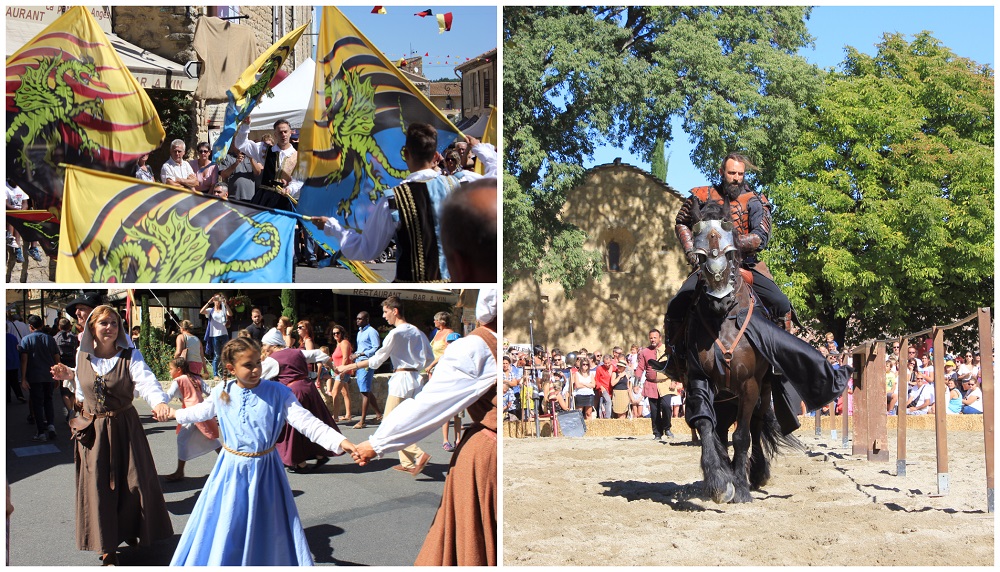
<point x="244" y="453"/>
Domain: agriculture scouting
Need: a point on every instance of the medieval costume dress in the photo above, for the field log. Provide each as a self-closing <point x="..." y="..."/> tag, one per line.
<point x="246" y="513"/>
<point x="193" y="440"/>
<point x="118" y="496"/>
<point x="408" y="213"/>
<point x="294" y="447"/>
<point x="464" y="531"/>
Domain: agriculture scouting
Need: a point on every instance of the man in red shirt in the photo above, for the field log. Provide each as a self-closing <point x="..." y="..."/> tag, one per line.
<point x="602" y="389"/>
<point x="659" y="408"/>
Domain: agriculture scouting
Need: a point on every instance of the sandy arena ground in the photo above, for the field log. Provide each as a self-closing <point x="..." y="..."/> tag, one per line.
<point x="632" y="501"/>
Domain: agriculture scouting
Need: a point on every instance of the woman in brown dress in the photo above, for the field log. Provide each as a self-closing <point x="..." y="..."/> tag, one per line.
<point x="118" y="496"/>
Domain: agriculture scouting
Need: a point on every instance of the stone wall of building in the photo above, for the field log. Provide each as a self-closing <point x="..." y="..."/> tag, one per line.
<point x="479" y="84"/>
<point x="628" y="206"/>
<point x="168" y="31"/>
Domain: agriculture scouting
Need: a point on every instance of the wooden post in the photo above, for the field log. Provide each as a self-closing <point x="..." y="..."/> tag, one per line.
<point x="940" y="412"/>
<point x="859" y="446"/>
<point x="902" y="387"/>
<point x="873" y="388"/>
<point x="986" y="365"/>
<point x="818" y="416"/>
<point x="869" y="395"/>
<point x="846" y="420"/>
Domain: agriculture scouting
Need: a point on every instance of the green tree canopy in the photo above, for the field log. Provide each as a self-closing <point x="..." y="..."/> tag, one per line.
<point x="885" y="205"/>
<point x="577" y="77"/>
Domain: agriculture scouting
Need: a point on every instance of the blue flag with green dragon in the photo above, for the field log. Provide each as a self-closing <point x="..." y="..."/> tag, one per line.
<point x="248" y="90"/>
<point x="350" y="149"/>
<point x="119" y="229"/>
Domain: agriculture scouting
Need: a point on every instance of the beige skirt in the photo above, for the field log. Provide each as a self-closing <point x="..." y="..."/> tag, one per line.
<point x="619" y="401"/>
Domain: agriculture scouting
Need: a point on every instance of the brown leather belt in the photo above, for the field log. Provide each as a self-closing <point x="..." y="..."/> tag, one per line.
<point x="406" y="369"/>
<point x="115" y="412"/>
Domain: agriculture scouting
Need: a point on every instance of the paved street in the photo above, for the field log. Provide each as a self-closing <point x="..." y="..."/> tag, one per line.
<point x="33" y="272"/>
<point x="352" y="515"/>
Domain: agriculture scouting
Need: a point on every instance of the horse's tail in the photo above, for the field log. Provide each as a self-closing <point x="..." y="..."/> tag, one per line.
<point x="773" y="441"/>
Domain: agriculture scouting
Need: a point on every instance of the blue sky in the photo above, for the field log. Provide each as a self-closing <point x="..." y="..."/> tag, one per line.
<point x="398" y="32"/>
<point x="966" y="30"/>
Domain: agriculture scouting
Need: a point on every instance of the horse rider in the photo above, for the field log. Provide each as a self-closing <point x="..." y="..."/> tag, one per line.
<point x="751" y="215"/>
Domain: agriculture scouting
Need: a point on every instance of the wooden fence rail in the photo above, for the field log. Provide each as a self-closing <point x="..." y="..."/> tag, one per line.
<point x="870" y="423"/>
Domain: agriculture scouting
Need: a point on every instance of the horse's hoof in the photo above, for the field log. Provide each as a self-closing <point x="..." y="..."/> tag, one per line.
<point x="726" y="496"/>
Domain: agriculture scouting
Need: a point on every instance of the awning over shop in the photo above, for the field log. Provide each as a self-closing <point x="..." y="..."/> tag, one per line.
<point x="150" y="70"/>
<point x="475" y="125"/>
<point x="445" y="296"/>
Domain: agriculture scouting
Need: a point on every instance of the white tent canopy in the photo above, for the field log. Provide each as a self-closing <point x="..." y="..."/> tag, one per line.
<point x="291" y="98"/>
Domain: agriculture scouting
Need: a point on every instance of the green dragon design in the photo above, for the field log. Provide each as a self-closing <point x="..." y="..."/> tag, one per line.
<point x="171" y="249"/>
<point x="350" y="114"/>
<point x="46" y="101"/>
<point x="263" y="77"/>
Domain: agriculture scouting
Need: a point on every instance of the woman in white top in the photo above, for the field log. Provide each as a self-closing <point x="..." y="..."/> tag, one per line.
<point x="973" y="400"/>
<point x="583" y="387"/>
<point x="189" y="348"/>
<point x="216" y="333"/>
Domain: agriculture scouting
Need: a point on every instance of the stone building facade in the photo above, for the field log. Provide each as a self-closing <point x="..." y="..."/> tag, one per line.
<point x="168" y="31"/>
<point x="447" y="96"/>
<point x="479" y="84"/>
<point x="628" y="216"/>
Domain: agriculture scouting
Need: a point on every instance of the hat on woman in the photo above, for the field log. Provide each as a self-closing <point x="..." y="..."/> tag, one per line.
<point x="274" y="338"/>
<point x="87" y="342"/>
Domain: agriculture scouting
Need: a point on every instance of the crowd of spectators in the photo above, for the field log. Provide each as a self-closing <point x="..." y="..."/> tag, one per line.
<point x="601" y="384"/>
<point x="962" y="378"/>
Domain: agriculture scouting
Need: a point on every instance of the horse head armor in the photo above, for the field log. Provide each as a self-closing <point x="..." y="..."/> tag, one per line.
<point x="715" y="245"/>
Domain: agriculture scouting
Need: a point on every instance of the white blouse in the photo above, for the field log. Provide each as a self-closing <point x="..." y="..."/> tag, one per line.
<point x="146" y="385"/>
<point x="465" y="372"/>
<point x="295" y="415"/>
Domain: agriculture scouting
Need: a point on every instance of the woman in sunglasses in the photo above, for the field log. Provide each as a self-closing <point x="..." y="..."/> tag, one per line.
<point x="204" y="168"/>
<point x="340" y="384"/>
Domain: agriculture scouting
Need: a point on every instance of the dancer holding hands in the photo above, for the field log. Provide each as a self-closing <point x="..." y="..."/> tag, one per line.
<point x="246" y="513"/>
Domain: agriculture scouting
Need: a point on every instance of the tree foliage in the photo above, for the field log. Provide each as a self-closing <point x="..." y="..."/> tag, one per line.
<point x="658" y="161"/>
<point x="155" y="350"/>
<point x="885" y="205"/>
<point x="288" y="305"/>
<point x="577" y="77"/>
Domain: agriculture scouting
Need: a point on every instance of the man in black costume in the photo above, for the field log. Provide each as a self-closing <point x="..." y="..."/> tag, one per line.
<point x="409" y="212"/>
<point x="799" y="364"/>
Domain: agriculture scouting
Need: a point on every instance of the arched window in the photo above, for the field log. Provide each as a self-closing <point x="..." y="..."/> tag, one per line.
<point x="614" y="256"/>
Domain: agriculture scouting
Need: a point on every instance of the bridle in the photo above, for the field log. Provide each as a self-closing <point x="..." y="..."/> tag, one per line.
<point x="713" y="242"/>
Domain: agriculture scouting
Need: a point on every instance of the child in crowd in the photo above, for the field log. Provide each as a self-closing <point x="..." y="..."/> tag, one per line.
<point x="324" y="381"/>
<point x="193" y="440"/>
<point x="457" y="420"/>
<point x="636" y="399"/>
<point x="246" y="513"/>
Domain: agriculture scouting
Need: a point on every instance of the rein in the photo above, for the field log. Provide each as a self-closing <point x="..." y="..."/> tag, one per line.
<point x="727" y="354"/>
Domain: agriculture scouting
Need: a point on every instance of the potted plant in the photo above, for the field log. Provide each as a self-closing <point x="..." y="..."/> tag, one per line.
<point x="240" y="302"/>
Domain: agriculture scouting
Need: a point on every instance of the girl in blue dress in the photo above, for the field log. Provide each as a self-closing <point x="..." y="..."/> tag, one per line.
<point x="246" y="514"/>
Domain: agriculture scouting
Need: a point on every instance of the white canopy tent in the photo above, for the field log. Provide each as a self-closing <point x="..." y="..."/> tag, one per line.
<point x="291" y="98"/>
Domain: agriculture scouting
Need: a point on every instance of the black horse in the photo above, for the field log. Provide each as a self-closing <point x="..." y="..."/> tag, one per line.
<point x="724" y="365"/>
